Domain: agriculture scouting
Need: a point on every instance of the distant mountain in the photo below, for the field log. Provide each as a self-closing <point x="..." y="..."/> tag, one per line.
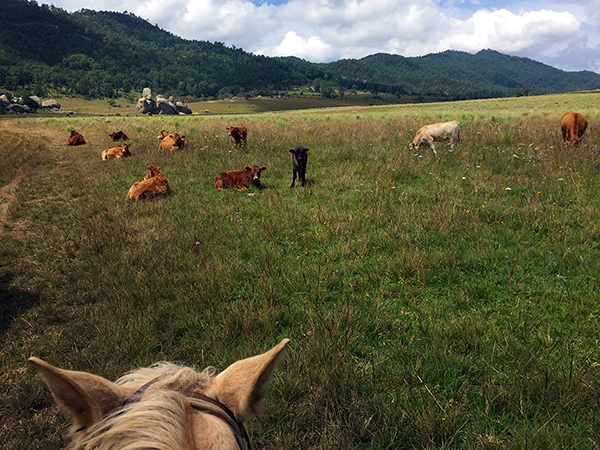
<point x="106" y="54"/>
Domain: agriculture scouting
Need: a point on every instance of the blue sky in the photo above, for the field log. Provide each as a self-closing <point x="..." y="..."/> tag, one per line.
<point x="564" y="34"/>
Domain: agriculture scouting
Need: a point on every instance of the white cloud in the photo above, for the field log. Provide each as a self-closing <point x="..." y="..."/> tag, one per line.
<point x="326" y="30"/>
<point x="312" y="48"/>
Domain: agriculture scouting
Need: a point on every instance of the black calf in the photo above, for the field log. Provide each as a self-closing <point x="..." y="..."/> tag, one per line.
<point x="299" y="158"/>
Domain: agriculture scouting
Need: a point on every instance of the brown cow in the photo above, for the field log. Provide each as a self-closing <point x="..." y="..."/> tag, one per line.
<point x="573" y="125"/>
<point x="119" y="135"/>
<point x="76" y="138"/>
<point x="239" y="135"/>
<point x="239" y="179"/>
<point x="172" y="142"/>
<point x="163" y="134"/>
<point x="121" y="151"/>
<point x="155" y="184"/>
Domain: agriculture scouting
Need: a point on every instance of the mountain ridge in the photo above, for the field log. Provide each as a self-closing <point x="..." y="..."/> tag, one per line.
<point x="99" y="54"/>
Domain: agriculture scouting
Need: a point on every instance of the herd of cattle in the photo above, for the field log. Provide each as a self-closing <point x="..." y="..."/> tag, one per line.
<point x="573" y="126"/>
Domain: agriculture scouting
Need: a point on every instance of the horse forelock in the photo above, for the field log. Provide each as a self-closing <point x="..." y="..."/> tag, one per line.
<point x="158" y="421"/>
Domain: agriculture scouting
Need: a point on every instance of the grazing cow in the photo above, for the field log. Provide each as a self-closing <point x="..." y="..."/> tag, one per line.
<point x="239" y="135"/>
<point x="155" y="184"/>
<point x="119" y="135"/>
<point x="299" y="159"/>
<point x="573" y="125"/>
<point x="239" y="179"/>
<point x="76" y="138"/>
<point x="437" y="132"/>
<point x="121" y="151"/>
<point x="172" y="142"/>
<point x="162" y="406"/>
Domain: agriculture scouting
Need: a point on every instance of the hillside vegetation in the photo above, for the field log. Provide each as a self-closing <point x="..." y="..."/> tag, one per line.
<point x="100" y="54"/>
<point x="448" y="302"/>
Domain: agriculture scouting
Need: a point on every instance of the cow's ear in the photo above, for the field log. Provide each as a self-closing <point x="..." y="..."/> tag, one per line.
<point x="263" y="169"/>
<point x="306" y="149"/>
<point x="248" y="168"/>
<point x="291" y="150"/>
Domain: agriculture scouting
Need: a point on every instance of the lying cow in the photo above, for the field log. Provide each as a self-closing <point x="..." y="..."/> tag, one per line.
<point x="437" y="132"/>
<point x="121" y="151"/>
<point x="573" y="125"/>
<point x="299" y="159"/>
<point x="76" y="138"/>
<point x="119" y="135"/>
<point x="155" y="184"/>
<point x="172" y="142"/>
<point x="239" y="135"/>
<point x="239" y="179"/>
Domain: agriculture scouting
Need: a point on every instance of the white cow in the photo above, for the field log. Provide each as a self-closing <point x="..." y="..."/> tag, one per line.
<point x="437" y="132"/>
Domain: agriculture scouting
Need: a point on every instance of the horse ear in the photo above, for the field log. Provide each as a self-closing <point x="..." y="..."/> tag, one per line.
<point x="86" y="397"/>
<point x="240" y="386"/>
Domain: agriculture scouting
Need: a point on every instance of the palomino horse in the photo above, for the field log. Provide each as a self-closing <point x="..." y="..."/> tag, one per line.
<point x="163" y="407"/>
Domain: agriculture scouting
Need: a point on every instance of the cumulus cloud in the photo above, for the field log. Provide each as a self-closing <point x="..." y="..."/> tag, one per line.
<point x="327" y="30"/>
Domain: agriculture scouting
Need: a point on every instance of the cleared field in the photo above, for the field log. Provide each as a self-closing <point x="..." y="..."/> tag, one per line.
<point x="448" y="302"/>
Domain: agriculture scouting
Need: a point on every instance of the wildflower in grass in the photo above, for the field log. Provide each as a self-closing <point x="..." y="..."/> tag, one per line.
<point x="197" y="242"/>
<point x="508" y="189"/>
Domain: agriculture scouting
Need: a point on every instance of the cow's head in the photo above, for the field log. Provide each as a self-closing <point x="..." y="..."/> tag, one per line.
<point x="125" y="149"/>
<point x="299" y="155"/>
<point x="151" y="172"/>
<point x="163" y="134"/>
<point x="233" y="131"/>
<point x="255" y="173"/>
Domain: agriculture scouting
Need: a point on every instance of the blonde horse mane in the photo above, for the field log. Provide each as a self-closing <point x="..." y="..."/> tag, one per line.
<point x="164" y="406"/>
<point x="159" y="422"/>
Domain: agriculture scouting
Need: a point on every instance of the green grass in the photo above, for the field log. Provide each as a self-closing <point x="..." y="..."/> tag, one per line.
<point x="431" y="303"/>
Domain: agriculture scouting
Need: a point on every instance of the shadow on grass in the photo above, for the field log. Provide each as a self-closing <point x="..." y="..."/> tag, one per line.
<point x="14" y="302"/>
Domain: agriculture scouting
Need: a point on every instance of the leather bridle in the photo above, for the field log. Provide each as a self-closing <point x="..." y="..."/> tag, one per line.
<point x="207" y="405"/>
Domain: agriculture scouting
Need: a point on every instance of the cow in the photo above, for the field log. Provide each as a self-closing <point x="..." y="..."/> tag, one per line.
<point x="163" y="134"/>
<point x="299" y="159"/>
<point x="155" y="184"/>
<point x="239" y="179"/>
<point x="76" y="138"/>
<point x="573" y="125"/>
<point x="172" y="142"/>
<point x="121" y="151"/>
<point x="437" y="132"/>
<point x="119" y="135"/>
<point x="239" y="135"/>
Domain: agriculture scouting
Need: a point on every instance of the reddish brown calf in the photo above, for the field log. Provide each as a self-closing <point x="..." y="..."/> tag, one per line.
<point x="119" y="135"/>
<point x="239" y="179"/>
<point x="76" y="138"/>
<point x="239" y="135"/>
<point x="573" y="125"/>
<point x="155" y="184"/>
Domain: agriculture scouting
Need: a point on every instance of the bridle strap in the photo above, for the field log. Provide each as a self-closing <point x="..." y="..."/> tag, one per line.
<point x="207" y="405"/>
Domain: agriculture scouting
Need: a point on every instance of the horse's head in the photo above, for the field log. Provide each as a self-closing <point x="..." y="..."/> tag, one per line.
<point x="163" y="406"/>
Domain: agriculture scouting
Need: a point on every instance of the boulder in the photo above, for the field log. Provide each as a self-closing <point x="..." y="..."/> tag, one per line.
<point x="53" y="104"/>
<point x="182" y="108"/>
<point x="146" y="106"/>
<point x="147" y="94"/>
<point x="22" y="109"/>
<point x="4" y="100"/>
<point x="166" y="107"/>
<point x="36" y="99"/>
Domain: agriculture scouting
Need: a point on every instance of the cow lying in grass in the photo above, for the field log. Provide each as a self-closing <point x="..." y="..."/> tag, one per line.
<point x="122" y="151"/>
<point x="239" y="179"/>
<point x="172" y="142"/>
<point x="75" y="138"/>
<point x="119" y="135"/>
<point x="155" y="184"/>
<point x="573" y="125"/>
<point x="299" y="159"/>
<point x="239" y="135"/>
<point x="437" y="132"/>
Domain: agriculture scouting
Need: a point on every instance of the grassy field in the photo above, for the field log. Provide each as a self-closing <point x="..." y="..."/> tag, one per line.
<point x="431" y="303"/>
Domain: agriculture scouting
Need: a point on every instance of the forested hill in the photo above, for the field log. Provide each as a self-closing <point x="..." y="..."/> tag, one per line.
<point x="106" y="54"/>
